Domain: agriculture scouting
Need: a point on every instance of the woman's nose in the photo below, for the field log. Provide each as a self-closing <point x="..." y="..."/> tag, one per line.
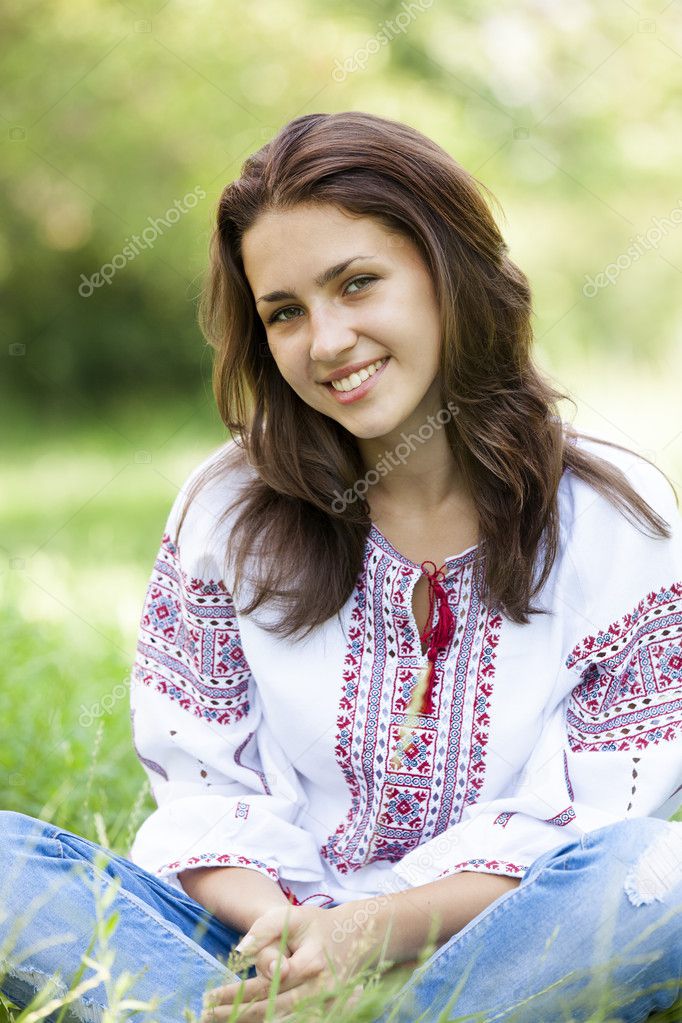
<point x="330" y="333"/>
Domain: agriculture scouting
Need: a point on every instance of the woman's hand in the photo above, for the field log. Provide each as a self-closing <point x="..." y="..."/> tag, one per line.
<point x="318" y="954"/>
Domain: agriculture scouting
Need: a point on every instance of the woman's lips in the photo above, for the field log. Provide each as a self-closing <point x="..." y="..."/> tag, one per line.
<point x="346" y="397"/>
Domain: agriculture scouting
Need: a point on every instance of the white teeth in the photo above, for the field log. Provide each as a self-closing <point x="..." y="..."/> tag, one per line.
<point x="355" y="379"/>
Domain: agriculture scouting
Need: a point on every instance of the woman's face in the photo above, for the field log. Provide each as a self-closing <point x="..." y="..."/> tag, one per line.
<point x="381" y="306"/>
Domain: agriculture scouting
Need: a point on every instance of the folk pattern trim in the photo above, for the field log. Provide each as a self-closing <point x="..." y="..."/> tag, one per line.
<point x="630" y="690"/>
<point x="486" y="867"/>
<point x="316" y="899"/>
<point x="260" y="774"/>
<point x="189" y="647"/>
<point x="567" y="777"/>
<point x="403" y="794"/>
<point x="503" y="818"/>
<point x="218" y="860"/>
<point x="562" y="819"/>
<point x="150" y="764"/>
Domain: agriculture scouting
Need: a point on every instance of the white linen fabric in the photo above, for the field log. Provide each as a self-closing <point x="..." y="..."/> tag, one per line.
<point x="284" y="756"/>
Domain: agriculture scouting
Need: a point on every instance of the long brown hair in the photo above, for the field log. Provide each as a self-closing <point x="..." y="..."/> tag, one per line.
<point x="507" y="439"/>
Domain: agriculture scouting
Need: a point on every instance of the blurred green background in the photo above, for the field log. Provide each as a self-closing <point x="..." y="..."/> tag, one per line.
<point x="114" y="112"/>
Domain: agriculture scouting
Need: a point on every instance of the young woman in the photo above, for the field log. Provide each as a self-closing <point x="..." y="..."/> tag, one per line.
<point x="409" y="665"/>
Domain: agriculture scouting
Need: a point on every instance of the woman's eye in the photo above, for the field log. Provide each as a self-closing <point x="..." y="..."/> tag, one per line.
<point x="363" y="277"/>
<point x="275" y="316"/>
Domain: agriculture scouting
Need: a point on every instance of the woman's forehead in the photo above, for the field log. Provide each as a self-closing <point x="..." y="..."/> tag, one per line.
<point x="306" y="242"/>
<point x="318" y="218"/>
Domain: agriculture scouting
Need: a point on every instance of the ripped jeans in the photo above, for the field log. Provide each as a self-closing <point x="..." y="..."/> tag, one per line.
<point x="594" y="922"/>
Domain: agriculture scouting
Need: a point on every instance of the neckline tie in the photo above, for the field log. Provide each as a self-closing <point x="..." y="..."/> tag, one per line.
<point x="437" y="635"/>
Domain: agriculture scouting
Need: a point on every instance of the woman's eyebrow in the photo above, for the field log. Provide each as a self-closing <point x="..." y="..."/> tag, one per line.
<point x="324" y="278"/>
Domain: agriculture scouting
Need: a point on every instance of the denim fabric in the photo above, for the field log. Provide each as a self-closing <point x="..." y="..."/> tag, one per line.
<point x="604" y="910"/>
<point x="594" y="915"/>
<point x="47" y="918"/>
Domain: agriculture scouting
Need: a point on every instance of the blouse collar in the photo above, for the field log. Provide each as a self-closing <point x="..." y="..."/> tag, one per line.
<point x="450" y="563"/>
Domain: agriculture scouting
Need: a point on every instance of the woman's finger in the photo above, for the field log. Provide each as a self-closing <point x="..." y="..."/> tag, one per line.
<point x="307" y="962"/>
<point x="219" y="1001"/>
<point x="265" y="930"/>
<point x="240" y="992"/>
<point x="267" y="959"/>
<point x="254" y="1004"/>
<point x="253" y="999"/>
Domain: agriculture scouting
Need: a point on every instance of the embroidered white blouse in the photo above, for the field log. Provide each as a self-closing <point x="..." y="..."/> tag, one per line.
<point x="285" y="756"/>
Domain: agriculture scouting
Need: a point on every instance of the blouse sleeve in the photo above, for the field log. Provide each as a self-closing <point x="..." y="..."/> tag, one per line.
<point x="610" y="746"/>
<point x="225" y="793"/>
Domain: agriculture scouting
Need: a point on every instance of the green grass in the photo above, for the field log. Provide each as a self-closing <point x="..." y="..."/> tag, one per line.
<point x="81" y="515"/>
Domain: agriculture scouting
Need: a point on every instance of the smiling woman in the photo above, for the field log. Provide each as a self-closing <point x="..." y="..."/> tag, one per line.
<point x="409" y="671"/>
<point x="349" y="319"/>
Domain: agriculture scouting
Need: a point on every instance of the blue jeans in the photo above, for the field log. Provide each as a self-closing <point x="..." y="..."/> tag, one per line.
<point x="611" y="900"/>
<point x="48" y="886"/>
<point x="595" y="915"/>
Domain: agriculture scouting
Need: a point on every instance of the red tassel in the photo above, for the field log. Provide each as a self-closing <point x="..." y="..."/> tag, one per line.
<point x="439" y="635"/>
<point x="438" y="638"/>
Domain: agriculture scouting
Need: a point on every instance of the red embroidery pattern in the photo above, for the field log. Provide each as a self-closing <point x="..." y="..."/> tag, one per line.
<point x="560" y="820"/>
<point x="563" y="818"/>
<point x="322" y="899"/>
<point x="189" y="646"/>
<point x="218" y="859"/>
<point x="503" y="818"/>
<point x="406" y="792"/>
<point x="630" y="690"/>
<point x="485" y="867"/>
<point x="569" y="786"/>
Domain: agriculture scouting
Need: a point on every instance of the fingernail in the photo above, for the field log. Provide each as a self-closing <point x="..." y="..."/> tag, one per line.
<point x="271" y="969"/>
